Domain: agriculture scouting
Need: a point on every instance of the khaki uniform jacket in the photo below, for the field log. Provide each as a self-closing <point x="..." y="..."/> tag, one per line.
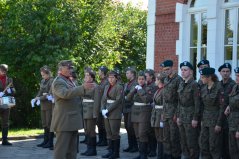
<point x="128" y="103"/>
<point x="115" y="108"/>
<point x="91" y="109"/>
<point x="213" y="108"/>
<point x="45" y="87"/>
<point x="144" y="95"/>
<point x="233" y="118"/>
<point x="170" y="95"/>
<point x="156" y="112"/>
<point x="67" y="114"/>
<point x="189" y="101"/>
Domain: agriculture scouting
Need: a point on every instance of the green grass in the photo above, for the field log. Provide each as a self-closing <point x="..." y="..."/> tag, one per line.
<point x="24" y="132"/>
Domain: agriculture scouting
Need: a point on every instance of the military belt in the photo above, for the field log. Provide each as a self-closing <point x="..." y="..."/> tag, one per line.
<point x="88" y="100"/>
<point x="158" y="106"/>
<point x="110" y="101"/>
<point x="141" y="104"/>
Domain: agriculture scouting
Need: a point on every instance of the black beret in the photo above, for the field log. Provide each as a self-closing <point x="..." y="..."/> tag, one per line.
<point x="167" y="63"/>
<point x="149" y="71"/>
<point x="103" y="69"/>
<point x="203" y="62"/>
<point x="236" y="70"/>
<point x="66" y="63"/>
<point x="186" y="63"/>
<point x="207" y="71"/>
<point x="225" y="65"/>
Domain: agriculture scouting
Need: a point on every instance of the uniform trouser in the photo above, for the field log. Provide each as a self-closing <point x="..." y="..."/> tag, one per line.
<point x="210" y="143"/>
<point x="142" y="130"/>
<point x="233" y="145"/>
<point x="90" y="127"/>
<point x="66" y="145"/>
<point x="112" y="127"/>
<point x="101" y="125"/>
<point x="128" y="124"/>
<point x="46" y="116"/>
<point x="225" y="143"/>
<point x="189" y="141"/>
<point x="158" y="134"/>
<point x="171" y="138"/>
<point x="5" y="113"/>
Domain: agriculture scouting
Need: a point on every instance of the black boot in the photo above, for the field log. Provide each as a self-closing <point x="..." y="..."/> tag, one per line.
<point x="92" y="147"/>
<point x="143" y="150"/>
<point x="116" y="146"/>
<point x="128" y="149"/>
<point x="88" y="145"/>
<point x="135" y="147"/>
<point x="46" y="138"/>
<point x="103" y="141"/>
<point x="4" y="137"/>
<point x="152" y="146"/>
<point x="110" y="150"/>
<point x="160" y="150"/>
<point x="49" y="144"/>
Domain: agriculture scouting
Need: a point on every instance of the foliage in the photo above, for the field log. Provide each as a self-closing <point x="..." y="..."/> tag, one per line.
<point x="34" y="33"/>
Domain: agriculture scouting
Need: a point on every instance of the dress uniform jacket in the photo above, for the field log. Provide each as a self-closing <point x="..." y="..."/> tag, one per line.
<point x="157" y="110"/>
<point x="189" y="101"/>
<point x="66" y="114"/>
<point x="45" y="89"/>
<point x="128" y="103"/>
<point x="144" y="95"/>
<point x="115" y="94"/>
<point x="91" y="109"/>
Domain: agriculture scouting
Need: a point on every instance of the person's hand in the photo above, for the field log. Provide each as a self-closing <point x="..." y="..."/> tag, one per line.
<point x="1" y="94"/>
<point x="138" y="87"/>
<point x="104" y="112"/>
<point x="178" y="122"/>
<point x="9" y="91"/>
<point x="217" y="128"/>
<point x="237" y="135"/>
<point x="194" y="123"/>
<point x="227" y="111"/>
<point x="49" y="97"/>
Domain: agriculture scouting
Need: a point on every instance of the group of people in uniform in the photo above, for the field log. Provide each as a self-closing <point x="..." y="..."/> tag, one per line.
<point x="167" y="115"/>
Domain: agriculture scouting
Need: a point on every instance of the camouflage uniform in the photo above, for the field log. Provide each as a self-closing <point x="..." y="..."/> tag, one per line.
<point x="188" y="110"/>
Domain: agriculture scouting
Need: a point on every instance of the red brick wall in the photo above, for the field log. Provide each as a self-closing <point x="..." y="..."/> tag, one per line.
<point x="166" y="32"/>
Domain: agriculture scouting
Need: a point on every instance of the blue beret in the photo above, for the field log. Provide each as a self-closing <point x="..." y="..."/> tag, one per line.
<point x="167" y="63"/>
<point x="186" y="63"/>
<point x="225" y="65"/>
<point x="207" y="71"/>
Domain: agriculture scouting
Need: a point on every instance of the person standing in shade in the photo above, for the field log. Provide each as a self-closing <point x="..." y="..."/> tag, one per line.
<point x="142" y="96"/>
<point x="6" y="83"/>
<point x="150" y="82"/>
<point x="188" y="112"/>
<point x="157" y="114"/>
<point x="227" y="84"/>
<point x="100" y="120"/>
<point x="111" y="108"/>
<point x="172" y="148"/>
<point x="212" y="119"/>
<point x="91" y="109"/>
<point x="46" y="106"/>
<point x="67" y="116"/>
<point x="232" y="111"/>
<point x="132" y="82"/>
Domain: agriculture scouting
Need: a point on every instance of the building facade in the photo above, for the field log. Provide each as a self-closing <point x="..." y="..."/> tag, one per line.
<point x="193" y="30"/>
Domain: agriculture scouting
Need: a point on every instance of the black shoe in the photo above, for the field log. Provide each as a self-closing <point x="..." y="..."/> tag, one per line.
<point x="110" y="150"/>
<point x="6" y="143"/>
<point x="91" y="151"/>
<point x="134" y="149"/>
<point x="46" y="138"/>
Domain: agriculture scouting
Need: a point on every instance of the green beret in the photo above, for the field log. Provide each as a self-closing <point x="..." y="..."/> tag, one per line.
<point x="203" y="62"/>
<point x="186" y="63"/>
<point x="225" y="65"/>
<point x="167" y="63"/>
<point x="236" y="70"/>
<point x="207" y="71"/>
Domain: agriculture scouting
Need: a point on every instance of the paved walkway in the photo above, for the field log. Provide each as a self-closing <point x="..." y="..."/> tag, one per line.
<point x="27" y="149"/>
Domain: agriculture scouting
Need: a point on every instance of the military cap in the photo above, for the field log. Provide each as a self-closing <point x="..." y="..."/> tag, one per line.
<point x="167" y="63"/>
<point x="66" y="63"/>
<point x="4" y="67"/>
<point x="103" y="69"/>
<point x="141" y="73"/>
<point x="203" y="62"/>
<point x="117" y="70"/>
<point x="225" y="65"/>
<point x="149" y="71"/>
<point x="236" y="70"/>
<point x="186" y="63"/>
<point x="207" y="71"/>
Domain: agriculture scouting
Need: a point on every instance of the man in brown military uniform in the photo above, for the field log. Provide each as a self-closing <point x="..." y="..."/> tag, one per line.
<point x="67" y="117"/>
<point x="132" y="82"/>
<point x="171" y="132"/>
<point x="6" y="89"/>
<point x="188" y="112"/>
<point x="227" y="84"/>
<point x="100" y="120"/>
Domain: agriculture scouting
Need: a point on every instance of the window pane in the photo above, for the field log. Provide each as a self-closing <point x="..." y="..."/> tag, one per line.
<point x="193" y="58"/>
<point x="198" y="3"/>
<point x="231" y="0"/>
<point x="203" y="53"/>
<point x="204" y="36"/>
<point x="228" y="54"/>
<point x="229" y="22"/>
<point x="194" y="30"/>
